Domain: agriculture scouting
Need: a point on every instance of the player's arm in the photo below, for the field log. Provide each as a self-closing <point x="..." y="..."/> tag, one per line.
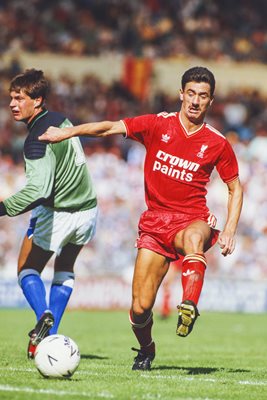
<point x="38" y="187"/>
<point x="235" y="199"/>
<point x="93" y="129"/>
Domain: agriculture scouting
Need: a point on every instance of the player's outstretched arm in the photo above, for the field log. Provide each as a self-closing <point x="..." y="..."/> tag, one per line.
<point x="94" y="129"/>
<point x="227" y="237"/>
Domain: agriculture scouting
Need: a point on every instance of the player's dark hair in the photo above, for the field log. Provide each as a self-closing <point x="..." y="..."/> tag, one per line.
<point x="199" y="74"/>
<point x="32" y="82"/>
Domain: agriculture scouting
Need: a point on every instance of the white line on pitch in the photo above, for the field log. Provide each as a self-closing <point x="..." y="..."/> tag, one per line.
<point x="8" y="388"/>
<point x="152" y="376"/>
<point x="213" y="380"/>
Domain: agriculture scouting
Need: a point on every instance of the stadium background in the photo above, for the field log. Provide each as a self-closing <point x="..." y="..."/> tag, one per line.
<point x="114" y="58"/>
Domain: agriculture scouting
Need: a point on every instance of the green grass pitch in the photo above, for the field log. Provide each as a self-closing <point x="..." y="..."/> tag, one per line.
<point x="224" y="358"/>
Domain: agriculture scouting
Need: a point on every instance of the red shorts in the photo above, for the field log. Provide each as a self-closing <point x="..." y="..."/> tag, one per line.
<point x="157" y="231"/>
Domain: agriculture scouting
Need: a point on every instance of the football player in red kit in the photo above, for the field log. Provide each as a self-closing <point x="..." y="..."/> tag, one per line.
<point x="181" y="153"/>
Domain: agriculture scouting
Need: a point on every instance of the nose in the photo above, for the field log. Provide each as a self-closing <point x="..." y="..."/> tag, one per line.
<point x="12" y="103"/>
<point x="195" y="100"/>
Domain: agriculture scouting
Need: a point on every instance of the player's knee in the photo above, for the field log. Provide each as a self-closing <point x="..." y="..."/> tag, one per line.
<point x="138" y="311"/>
<point x="141" y="307"/>
<point x="64" y="278"/>
<point x="194" y="238"/>
<point x="26" y="272"/>
<point x="140" y="321"/>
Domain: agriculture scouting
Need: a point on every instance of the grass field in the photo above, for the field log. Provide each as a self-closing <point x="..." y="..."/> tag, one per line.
<point x="225" y="357"/>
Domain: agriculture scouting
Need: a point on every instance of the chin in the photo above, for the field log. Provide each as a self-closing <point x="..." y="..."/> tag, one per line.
<point x="17" y="117"/>
<point x="196" y="119"/>
<point x="193" y="118"/>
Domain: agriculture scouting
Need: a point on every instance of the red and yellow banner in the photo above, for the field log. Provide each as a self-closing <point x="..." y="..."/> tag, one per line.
<point x="137" y="76"/>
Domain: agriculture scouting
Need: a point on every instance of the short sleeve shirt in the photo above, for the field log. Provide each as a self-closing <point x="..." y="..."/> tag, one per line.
<point x="178" y="165"/>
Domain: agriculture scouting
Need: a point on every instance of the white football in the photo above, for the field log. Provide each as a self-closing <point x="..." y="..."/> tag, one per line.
<point x="57" y="356"/>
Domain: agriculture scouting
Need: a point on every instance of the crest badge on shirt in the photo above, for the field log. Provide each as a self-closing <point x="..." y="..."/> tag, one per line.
<point x="200" y="154"/>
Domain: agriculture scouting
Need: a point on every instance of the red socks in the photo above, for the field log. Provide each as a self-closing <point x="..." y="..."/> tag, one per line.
<point x="193" y="271"/>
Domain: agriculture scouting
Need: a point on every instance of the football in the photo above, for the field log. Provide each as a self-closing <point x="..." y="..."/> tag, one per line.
<point x="57" y="356"/>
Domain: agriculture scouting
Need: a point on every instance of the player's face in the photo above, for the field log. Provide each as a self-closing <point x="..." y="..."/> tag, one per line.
<point x="196" y="99"/>
<point x="23" y="107"/>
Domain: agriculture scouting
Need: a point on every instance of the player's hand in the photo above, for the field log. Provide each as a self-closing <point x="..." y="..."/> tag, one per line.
<point x="54" y="135"/>
<point x="227" y="242"/>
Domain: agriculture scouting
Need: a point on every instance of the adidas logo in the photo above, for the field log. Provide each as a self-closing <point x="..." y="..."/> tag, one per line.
<point x="165" y="138"/>
<point x="188" y="272"/>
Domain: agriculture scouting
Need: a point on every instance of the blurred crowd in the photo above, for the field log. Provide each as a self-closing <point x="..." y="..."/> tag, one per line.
<point x="210" y="29"/>
<point x="117" y="169"/>
<point x="150" y="28"/>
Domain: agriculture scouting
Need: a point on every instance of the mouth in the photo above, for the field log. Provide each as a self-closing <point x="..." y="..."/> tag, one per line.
<point x="15" y="113"/>
<point x="193" y="110"/>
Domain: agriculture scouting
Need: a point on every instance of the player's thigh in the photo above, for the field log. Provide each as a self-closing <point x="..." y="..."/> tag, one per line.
<point x="32" y="256"/>
<point x="150" y="269"/>
<point x="193" y="238"/>
<point x="81" y="229"/>
<point x="66" y="259"/>
<point x="26" y="245"/>
<point x="25" y="249"/>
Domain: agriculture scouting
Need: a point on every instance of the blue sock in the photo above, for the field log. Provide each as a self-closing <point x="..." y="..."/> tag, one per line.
<point x="60" y="293"/>
<point x="34" y="290"/>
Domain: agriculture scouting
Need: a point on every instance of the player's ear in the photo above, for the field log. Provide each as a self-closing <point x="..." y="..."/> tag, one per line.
<point x="38" y="102"/>
<point x="181" y="95"/>
<point x="211" y="101"/>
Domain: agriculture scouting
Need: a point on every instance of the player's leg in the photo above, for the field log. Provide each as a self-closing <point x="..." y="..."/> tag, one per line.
<point x="191" y="241"/>
<point x="31" y="262"/>
<point x="63" y="282"/>
<point x="71" y="232"/>
<point x="150" y="269"/>
<point x="33" y="256"/>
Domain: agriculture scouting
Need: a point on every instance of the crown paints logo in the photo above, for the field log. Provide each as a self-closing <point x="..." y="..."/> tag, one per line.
<point x="165" y="138"/>
<point x="200" y="154"/>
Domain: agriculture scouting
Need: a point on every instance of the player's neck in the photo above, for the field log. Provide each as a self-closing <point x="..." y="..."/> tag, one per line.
<point x="190" y="126"/>
<point x="34" y="114"/>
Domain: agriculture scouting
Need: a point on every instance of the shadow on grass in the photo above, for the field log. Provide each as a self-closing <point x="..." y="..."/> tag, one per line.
<point x="199" y="370"/>
<point x="92" y="357"/>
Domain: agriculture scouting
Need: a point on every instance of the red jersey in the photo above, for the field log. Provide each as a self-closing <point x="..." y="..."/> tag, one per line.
<point x="177" y="165"/>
